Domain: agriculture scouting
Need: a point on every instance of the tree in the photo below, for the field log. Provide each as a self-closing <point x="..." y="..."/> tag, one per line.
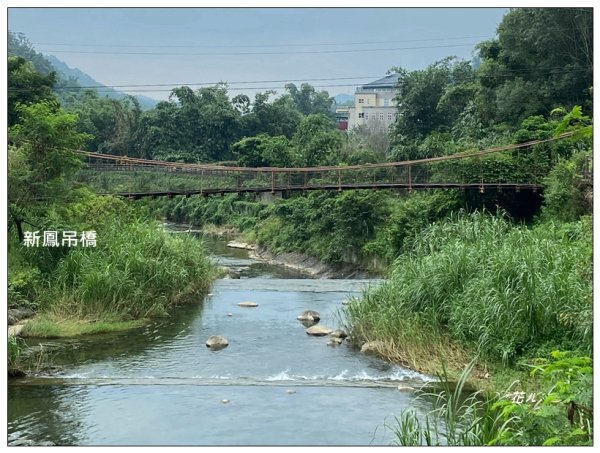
<point x="42" y="163"/>
<point x="543" y="57"/>
<point x="432" y="99"/>
<point x="26" y="86"/>
<point x="308" y="101"/>
<point x="279" y="117"/>
<point x="193" y="126"/>
<point x="264" y="151"/>
<point x="316" y="140"/>
<point x="115" y="124"/>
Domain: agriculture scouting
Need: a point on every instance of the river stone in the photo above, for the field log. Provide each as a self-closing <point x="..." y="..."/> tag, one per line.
<point x="229" y="314"/>
<point x="248" y="304"/>
<point x="17" y="314"/>
<point x="405" y="388"/>
<point x="309" y="316"/>
<point x="338" y="334"/>
<point x="334" y="341"/>
<point x="290" y="391"/>
<point x="372" y="347"/>
<point x="225" y="401"/>
<point x="217" y="342"/>
<point x="318" y="331"/>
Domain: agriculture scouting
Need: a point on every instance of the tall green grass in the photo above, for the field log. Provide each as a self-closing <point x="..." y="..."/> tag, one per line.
<point x="456" y="418"/>
<point x="500" y="289"/>
<point x="137" y="270"/>
<point x="505" y="418"/>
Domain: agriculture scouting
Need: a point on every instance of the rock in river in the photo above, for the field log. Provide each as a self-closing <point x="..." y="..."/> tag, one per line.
<point x="334" y="341"/>
<point x="338" y="334"/>
<point x="318" y="331"/>
<point x="309" y="315"/>
<point x="248" y="304"/>
<point x="217" y="342"/>
<point x="372" y="347"/>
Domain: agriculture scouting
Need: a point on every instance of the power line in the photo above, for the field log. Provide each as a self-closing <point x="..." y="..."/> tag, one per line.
<point x="259" y="45"/>
<point x="101" y="88"/>
<point x="215" y="83"/>
<point x="255" y="53"/>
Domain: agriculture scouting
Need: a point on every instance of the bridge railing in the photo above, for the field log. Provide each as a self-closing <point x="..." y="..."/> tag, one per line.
<point x="522" y="164"/>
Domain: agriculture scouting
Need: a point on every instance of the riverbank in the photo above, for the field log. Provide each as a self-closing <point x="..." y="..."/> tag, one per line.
<point x="135" y="272"/>
<point x="296" y="261"/>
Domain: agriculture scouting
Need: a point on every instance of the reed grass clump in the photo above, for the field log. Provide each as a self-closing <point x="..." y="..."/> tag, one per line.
<point x="136" y="271"/>
<point x="500" y="289"/>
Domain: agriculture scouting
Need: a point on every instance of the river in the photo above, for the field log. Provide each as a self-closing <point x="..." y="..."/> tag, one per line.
<point x="273" y="384"/>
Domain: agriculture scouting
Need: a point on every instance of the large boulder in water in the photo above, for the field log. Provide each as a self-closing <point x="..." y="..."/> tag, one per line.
<point x="309" y="316"/>
<point x="217" y="342"/>
<point x="318" y="331"/>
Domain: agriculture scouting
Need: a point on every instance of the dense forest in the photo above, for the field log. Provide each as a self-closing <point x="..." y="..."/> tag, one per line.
<point x="461" y="267"/>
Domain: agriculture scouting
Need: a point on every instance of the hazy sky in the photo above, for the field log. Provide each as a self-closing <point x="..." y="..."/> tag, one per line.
<point x="255" y="44"/>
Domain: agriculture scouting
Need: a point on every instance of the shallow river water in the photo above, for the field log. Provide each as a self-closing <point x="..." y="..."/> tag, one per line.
<point x="273" y="384"/>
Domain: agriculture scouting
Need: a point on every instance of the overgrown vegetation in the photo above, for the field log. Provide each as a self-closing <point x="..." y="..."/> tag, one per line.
<point x="131" y="270"/>
<point x="555" y="412"/>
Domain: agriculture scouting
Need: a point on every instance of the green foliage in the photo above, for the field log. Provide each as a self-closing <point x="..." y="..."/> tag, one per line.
<point x="568" y="189"/>
<point x="263" y="151"/>
<point x="432" y="99"/>
<point x="542" y="58"/>
<point x="137" y="270"/>
<point x="23" y="287"/>
<point x="408" y="217"/>
<point x="279" y="117"/>
<point x="116" y="125"/>
<point x="537" y="281"/>
<point x="455" y="419"/>
<point x="316" y="140"/>
<point x="14" y="352"/>
<point x="330" y="227"/>
<point x="558" y="414"/>
<point x="26" y="86"/>
<point x="308" y="101"/>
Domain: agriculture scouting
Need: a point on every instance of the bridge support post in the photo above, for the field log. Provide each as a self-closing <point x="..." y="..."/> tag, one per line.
<point x="272" y="182"/>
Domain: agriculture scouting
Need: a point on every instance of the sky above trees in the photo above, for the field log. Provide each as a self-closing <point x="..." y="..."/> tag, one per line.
<point x="269" y="46"/>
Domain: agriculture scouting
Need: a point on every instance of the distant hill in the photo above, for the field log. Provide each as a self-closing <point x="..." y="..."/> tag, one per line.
<point x="84" y="80"/>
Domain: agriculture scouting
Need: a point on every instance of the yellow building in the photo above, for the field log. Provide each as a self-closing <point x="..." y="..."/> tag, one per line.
<point x="374" y="104"/>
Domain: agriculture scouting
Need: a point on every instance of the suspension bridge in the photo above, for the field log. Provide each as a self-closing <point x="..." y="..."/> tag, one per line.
<point x="512" y="167"/>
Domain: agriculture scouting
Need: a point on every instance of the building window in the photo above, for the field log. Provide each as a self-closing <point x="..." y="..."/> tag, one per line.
<point x="381" y="117"/>
<point x="361" y="101"/>
<point x="386" y="102"/>
<point x="361" y="115"/>
<point x="390" y="116"/>
<point x="366" y="116"/>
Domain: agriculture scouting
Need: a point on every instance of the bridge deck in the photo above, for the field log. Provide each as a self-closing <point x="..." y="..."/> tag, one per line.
<point x="402" y="186"/>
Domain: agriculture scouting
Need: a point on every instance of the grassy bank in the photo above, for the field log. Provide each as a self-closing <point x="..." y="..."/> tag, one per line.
<point x="503" y="291"/>
<point x="136" y="271"/>
<point x="478" y="286"/>
<point x="365" y="229"/>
